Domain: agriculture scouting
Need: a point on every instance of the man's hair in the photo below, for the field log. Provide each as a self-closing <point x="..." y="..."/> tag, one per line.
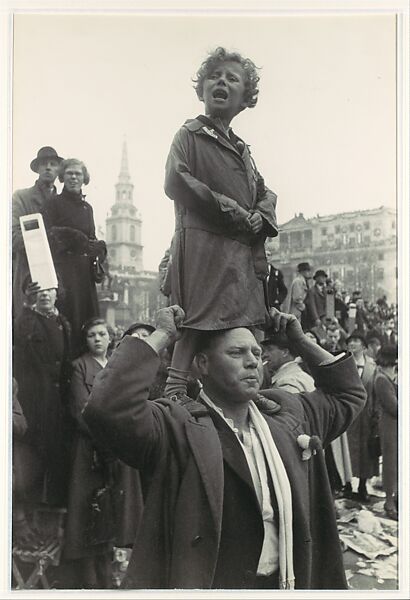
<point x="68" y="162"/>
<point x="221" y="55"/>
<point x="208" y="339"/>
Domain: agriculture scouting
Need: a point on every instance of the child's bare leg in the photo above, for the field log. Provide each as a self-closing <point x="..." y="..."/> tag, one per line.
<point x="179" y="371"/>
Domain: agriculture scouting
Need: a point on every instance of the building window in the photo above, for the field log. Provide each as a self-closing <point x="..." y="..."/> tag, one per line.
<point x="380" y="256"/>
<point x="366" y="239"/>
<point x="132" y="233"/>
<point x="351" y="227"/>
<point x="113" y="232"/>
<point x="133" y="253"/>
<point x="337" y="229"/>
<point x="352" y="241"/>
<point x="324" y="230"/>
<point x="283" y="240"/>
<point x="393" y="224"/>
<point x="367" y="225"/>
<point x="380" y="273"/>
<point x="112" y="252"/>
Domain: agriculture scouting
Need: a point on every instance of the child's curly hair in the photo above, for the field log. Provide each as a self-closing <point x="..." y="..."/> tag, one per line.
<point x="221" y="55"/>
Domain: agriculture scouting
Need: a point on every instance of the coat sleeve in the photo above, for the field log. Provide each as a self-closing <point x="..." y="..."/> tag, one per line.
<point x="17" y="212"/>
<point x="311" y="304"/>
<point x="282" y="289"/>
<point x="266" y="206"/>
<point x="183" y="187"/>
<point x="79" y="394"/>
<point x="120" y="415"/>
<point x="386" y="396"/>
<point x="334" y="404"/>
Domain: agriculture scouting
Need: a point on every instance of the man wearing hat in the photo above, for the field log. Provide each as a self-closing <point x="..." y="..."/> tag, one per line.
<point x="294" y="303"/>
<point x="364" y="464"/>
<point x="316" y="299"/>
<point x="26" y="202"/>
<point x="280" y="362"/>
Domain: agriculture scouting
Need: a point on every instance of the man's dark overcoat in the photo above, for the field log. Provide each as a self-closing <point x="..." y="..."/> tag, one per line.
<point x="218" y="265"/>
<point x="179" y="542"/>
<point x="42" y="368"/>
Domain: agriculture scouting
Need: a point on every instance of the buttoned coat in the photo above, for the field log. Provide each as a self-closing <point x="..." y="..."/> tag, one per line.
<point x="316" y="304"/>
<point x="218" y="265"/>
<point x="295" y="300"/>
<point x="25" y="202"/>
<point x="178" y="541"/>
<point x="364" y="465"/>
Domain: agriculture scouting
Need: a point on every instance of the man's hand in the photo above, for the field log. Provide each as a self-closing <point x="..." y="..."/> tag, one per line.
<point x="287" y="324"/>
<point x="255" y="222"/>
<point x="169" y="321"/>
<point x="30" y="292"/>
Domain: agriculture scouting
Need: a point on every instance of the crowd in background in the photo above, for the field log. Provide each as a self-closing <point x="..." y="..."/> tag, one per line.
<point x="60" y="344"/>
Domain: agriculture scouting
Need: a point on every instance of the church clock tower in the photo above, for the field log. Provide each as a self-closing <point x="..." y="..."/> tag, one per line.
<point x="123" y="226"/>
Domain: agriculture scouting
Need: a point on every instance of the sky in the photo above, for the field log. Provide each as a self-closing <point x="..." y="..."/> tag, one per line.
<point x="322" y="133"/>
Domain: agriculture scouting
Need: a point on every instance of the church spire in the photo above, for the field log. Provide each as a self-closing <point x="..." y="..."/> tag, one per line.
<point x="124" y="176"/>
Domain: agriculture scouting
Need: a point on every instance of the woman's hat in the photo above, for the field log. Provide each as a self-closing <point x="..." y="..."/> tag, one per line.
<point x="320" y="273"/>
<point x="43" y="154"/>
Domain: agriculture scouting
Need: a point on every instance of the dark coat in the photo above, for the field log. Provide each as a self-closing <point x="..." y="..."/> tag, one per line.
<point x="25" y="202"/>
<point x="218" y="265"/>
<point x="178" y="542"/>
<point x="386" y="401"/>
<point x="364" y="465"/>
<point x="92" y="469"/>
<point x="42" y="369"/>
<point x="70" y="226"/>
<point x="277" y="290"/>
<point x="316" y="305"/>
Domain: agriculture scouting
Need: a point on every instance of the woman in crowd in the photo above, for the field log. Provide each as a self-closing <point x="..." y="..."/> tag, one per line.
<point x="105" y="498"/>
<point x="42" y="369"/>
<point x="224" y="212"/>
<point x="385" y="390"/>
<point x="70" y="225"/>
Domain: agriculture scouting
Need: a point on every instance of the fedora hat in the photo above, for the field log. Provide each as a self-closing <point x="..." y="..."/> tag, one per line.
<point x="303" y="266"/>
<point x="43" y="154"/>
<point x="320" y="273"/>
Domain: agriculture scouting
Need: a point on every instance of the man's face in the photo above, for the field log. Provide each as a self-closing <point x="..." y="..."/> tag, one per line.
<point x="373" y="348"/>
<point x="333" y="337"/>
<point x="273" y="357"/>
<point x="355" y="346"/>
<point x="307" y="274"/>
<point x="232" y="368"/>
<point x="48" y="170"/>
<point x="46" y="299"/>
<point x="320" y="280"/>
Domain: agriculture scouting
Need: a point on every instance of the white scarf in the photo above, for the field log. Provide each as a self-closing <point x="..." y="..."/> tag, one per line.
<point x="283" y="495"/>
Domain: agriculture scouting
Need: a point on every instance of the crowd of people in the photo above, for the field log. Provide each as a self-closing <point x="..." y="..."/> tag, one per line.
<point x="158" y="439"/>
<point x="340" y="321"/>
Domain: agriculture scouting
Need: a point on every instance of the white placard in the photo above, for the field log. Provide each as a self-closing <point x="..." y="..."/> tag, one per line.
<point x="38" y="252"/>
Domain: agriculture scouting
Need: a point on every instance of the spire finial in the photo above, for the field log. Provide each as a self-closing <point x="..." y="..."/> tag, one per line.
<point x="124" y="173"/>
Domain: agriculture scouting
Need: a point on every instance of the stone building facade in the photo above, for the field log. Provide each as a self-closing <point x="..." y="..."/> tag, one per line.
<point x="359" y="248"/>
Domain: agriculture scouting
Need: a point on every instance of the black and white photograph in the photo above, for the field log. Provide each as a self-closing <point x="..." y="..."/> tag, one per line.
<point x="205" y="363"/>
